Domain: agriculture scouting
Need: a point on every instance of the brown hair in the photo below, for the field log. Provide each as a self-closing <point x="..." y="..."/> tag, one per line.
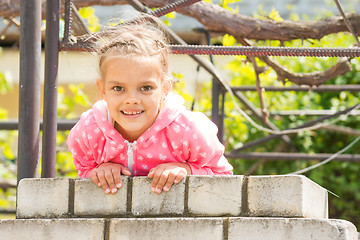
<point x="140" y="38"/>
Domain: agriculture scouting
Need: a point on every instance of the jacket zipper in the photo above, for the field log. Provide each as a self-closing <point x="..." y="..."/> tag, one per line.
<point x="130" y="153"/>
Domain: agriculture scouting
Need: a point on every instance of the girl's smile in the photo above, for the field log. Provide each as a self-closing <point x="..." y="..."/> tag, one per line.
<point x="133" y="89"/>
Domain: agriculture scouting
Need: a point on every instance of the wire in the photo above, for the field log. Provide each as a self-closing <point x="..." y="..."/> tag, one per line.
<point x="329" y="159"/>
<point x="271" y="131"/>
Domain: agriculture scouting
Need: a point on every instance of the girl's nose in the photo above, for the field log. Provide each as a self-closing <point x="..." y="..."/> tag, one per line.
<point x="132" y="99"/>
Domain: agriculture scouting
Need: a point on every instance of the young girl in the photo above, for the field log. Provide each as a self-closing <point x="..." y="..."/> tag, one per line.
<point x="140" y="128"/>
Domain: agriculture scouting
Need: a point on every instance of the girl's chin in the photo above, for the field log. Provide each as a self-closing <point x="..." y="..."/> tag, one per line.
<point x="128" y="131"/>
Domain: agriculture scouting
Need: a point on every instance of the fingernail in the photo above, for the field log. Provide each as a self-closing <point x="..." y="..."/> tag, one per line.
<point x="107" y="190"/>
<point x="152" y="189"/>
<point x="114" y="190"/>
<point x="118" y="186"/>
<point x="158" y="190"/>
<point x="166" y="189"/>
<point x="99" y="184"/>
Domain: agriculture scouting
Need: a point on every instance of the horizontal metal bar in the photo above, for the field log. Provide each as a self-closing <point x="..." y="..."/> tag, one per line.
<point x="322" y="88"/>
<point x="305" y="125"/>
<point x="173" y="7"/>
<point x="4" y="211"/>
<point x="265" y="51"/>
<point x="62" y="124"/>
<point x="237" y="50"/>
<point x="281" y="156"/>
<point x="310" y="113"/>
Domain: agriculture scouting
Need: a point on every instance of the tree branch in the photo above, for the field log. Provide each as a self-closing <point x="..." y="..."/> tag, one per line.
<point x="215" y="18"/>
<point x="264" y="111"/>
<point x="5" y="184"/>
<point x="312" y="79"/>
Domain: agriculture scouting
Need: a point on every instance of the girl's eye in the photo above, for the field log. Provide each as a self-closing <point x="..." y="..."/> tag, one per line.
<point x="118" y="89"/>
<point x="146" y="88"/>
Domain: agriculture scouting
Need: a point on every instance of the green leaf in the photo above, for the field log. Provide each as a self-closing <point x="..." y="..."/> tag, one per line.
<point x="8" y="152"/>
<point x="274" y="15"/>
<point x="86" y="12"/>
<point x="228" y="40"/>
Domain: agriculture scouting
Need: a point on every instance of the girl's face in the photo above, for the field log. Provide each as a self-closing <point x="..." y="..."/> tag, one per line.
<point x="133" y="89"/>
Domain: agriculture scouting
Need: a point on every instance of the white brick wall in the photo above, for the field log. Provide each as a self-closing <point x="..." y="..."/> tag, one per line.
<point x="286" y="196"/>
<point x="267" y="196"/>
<point x="199" y="207"/>
<point x="215" y="195"/>
<point x="87" y="197"/>
<point x="44" y="198"/>
<point x="178" y="228"/>
<point x="290" y="228"/>
<point x="52" y="229"/>
<point x="147" y="203"/>
<point x="166" y="229"/>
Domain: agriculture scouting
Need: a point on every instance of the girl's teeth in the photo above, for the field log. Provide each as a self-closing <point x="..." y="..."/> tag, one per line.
<point x="132" y="113"/>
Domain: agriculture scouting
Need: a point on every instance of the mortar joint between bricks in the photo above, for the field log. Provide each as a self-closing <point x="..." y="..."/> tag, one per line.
<point x="106" y="229"/>
<point x="225" y="228"/>
<point x="244" y="197"/>
<point x="186" y="197"/>
<point x="71" y="197"/>
<point x="129" y="196"/>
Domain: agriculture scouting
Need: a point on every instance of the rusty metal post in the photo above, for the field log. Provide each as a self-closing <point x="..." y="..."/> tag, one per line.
<point x="29" y="89"/>
<point x="50" y="89"/>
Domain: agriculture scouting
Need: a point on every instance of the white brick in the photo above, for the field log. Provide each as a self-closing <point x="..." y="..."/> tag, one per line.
<point x="290" y="228"/>
<point x="166" y="229"/>
<point x="91" y="200"/>
<point x="286" y="196"/>
<point x="215" y="195"/>
<point x="46" y="198"/>
<point x="52" y="229"/>
<point x="147" y="203"/>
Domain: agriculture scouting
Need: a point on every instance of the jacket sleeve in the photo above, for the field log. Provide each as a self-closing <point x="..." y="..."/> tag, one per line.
<point x="202" y="149"/>
<point x="79" y="146"/>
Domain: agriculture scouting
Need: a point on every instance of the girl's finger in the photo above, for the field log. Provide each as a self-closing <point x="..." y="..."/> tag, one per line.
<point x="162" y="180"/>
<point x="117" y="178"/>
<point x="170" y="180"/>
<point x="125" y="171"/>
<point x="152" y="172"/>
<point x="95" y="178"/>
<point x="102" y="179"/>
<point x="156" y="177"/>
<point x="180" y="176"/>
<point x="110" y="181"/>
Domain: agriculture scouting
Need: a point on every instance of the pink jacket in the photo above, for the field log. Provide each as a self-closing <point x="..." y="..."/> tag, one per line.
<point x="177" y="135"/>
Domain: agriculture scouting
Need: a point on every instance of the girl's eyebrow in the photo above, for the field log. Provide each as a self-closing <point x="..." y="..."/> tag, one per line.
<point x="115" y="82"/>
<point x="146" y="82"/>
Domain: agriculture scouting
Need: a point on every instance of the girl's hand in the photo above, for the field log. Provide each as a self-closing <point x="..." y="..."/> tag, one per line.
<point x="166" y="174"/>
<point x="108" y="176"/>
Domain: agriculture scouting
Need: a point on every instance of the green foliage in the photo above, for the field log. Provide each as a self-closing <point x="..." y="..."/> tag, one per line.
<point x="67" y="103"/>
<point x="340" y="178"/>
<point x="88" y="14"/>
<point x="168" y="17"/>
<point x="7" y="155"/>
<point x="5" y="86"/>
<point x="226" y="4"/>
<point x="66" y="109"/>
<point x="179" y="87"/>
